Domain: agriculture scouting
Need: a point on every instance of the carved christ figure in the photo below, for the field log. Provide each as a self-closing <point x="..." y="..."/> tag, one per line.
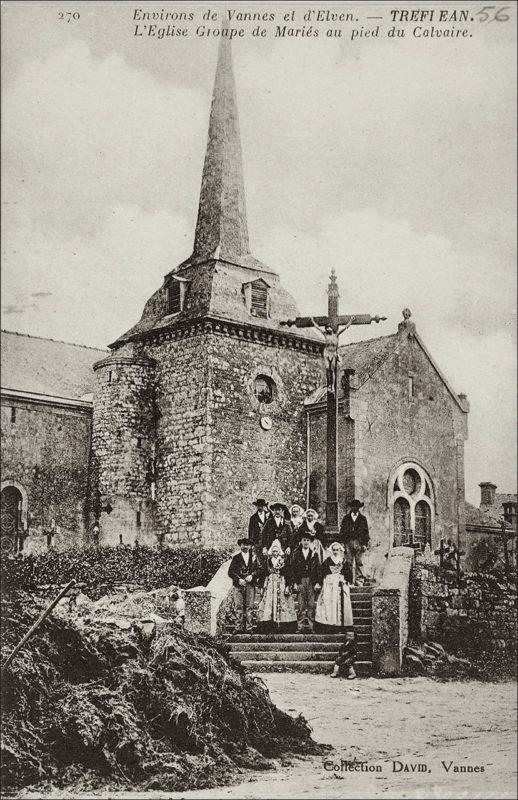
<point x="331" y="353"/>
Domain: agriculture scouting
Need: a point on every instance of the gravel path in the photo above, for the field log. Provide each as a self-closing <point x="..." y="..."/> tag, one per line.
<point x="403" y="720"/>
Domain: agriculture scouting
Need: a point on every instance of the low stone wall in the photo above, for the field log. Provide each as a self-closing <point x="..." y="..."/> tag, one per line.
<point x="479" y="612"/>
<point x="390" y="613"/>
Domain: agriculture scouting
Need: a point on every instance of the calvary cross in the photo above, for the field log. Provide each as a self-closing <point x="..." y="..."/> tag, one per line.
<point x="331" y="327"/>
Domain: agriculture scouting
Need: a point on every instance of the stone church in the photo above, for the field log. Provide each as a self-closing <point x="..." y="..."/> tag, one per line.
<point x="208" y="402"/>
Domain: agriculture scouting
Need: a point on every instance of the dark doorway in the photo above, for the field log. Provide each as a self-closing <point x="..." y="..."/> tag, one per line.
<point x="11" y="520"/>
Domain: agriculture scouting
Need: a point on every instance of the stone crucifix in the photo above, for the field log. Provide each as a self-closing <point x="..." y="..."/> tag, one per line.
<point x="331" y="328"/>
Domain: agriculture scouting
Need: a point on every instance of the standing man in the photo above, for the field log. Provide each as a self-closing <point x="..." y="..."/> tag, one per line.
<point x="277" y="527"/>
<point x="354" y="533"/>
<point x="304" y="575"/>
<point x="257" y="522"/>
<point x="244" y="570"/>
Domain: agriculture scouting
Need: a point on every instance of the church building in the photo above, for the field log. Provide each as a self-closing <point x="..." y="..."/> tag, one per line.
<point x="209" y="401"/>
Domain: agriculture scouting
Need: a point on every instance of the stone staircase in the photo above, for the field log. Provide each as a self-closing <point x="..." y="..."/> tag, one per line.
<point x="299" y="652"/>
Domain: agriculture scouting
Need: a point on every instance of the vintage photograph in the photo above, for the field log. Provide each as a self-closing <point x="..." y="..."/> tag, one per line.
<point x="258" y="400"/>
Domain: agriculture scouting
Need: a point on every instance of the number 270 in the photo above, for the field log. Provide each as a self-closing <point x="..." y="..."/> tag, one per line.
<point x="68" y="16"/>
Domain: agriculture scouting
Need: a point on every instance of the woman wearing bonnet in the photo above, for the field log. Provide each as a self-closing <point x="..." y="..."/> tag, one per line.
<point x="315" y="530"/>
<point x="297" y="523"/>
<point x="277" y="606"/>
<point x="334" y="611"/>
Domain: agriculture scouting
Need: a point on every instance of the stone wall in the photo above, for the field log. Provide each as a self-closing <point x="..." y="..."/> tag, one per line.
<point x="184" y="438"/>
<point x="248" y="461"/>
<point x="46" y="452"/>
<point x="480" y="611"/>
<point x="123" y="441"/>
<point x="213" y="457"/>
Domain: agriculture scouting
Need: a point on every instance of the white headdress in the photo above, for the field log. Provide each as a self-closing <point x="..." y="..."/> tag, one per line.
<point x="337" y="559"/>
<point x="275" y="545"/>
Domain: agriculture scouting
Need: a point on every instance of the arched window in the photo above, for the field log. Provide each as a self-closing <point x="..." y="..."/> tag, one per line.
<point x="401" y="518"/>
<point x="423" y="522"/>
<point x="411" y="507"/>
<point x="13" y="507"/>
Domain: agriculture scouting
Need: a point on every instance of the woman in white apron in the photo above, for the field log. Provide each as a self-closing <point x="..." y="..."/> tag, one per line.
<point x="277" y="607"/>
<point x="334" y="611"/>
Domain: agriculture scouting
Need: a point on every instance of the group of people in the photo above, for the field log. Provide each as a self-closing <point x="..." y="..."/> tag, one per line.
<point x="304" y="585"/>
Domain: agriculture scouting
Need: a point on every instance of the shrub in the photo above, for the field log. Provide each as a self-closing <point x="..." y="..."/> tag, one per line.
<point x="100" y="569"/>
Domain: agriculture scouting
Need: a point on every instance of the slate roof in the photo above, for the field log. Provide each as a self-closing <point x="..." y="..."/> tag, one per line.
<point x="46" y="366"/>
<point x="364" y="357"/>
<point x="501" y="498"/>
<point x="487" y="516"/>
<point x="367" y="356"/>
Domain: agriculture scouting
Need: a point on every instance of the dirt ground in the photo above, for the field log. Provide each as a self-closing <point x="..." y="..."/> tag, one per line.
<point x="378" y="722"/>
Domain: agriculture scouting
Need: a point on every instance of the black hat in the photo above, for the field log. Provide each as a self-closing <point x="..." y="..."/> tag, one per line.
<point x="356" y="504"/>
<point x="280" y="507"/>
<point x="307" y="535"/>
<point x="244" y="540"/>
<point x="260" y="502"/>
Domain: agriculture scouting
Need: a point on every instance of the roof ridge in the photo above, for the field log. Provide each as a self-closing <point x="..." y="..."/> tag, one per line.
<point x="366" y="341"/>
<point x="59" y="341"/>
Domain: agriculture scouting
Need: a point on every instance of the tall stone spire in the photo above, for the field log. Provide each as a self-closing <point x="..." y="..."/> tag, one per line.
<point x="221" y="228"/>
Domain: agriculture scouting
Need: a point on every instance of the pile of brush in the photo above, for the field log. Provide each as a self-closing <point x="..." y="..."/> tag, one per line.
<point x="91" y="705"/>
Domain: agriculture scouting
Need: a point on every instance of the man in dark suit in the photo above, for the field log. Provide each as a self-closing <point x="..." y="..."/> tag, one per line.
<point x="244" y="571"/>
<point x="304" y="574"/>
<point x="277" y="527"/>
<point x="257" y="522"/>
<point x="354" y="534"/>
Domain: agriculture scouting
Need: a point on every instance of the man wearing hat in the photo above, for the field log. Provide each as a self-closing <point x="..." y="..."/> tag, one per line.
<point x="305" y="569"/>
<point x="354" y="533"/>
<point x="257" y="522"/>
<point x="277" y="527"/>
<point x="244" y="570"/>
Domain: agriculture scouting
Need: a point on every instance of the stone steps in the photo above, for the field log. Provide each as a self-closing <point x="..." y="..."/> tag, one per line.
<point x="307" y="652"/>
<point x="363" y="668"/>
<point x="289" y="647"/>
<point x="283" y="655"/>
<point x="360" y="630"/>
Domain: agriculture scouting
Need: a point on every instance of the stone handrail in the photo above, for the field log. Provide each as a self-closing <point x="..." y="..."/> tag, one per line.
<point x="220" y="588"/>
<point x="390" y="613"/>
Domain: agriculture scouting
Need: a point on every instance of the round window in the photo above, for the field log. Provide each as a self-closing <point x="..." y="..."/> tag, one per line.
<point x="411" y="481"/>
<point x="264" y="388"/>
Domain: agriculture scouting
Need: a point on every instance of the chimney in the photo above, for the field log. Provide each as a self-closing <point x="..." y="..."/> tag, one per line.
<point x="487" y="494"/>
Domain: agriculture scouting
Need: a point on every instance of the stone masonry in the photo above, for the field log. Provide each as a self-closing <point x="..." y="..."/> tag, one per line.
<point x="480" y="611"/>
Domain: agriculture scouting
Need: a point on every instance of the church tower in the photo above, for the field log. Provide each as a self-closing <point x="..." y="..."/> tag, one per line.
<point x="199" y="409"/>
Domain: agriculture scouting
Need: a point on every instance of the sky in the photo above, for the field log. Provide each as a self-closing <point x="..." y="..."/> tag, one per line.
<point x="392" y="162"/>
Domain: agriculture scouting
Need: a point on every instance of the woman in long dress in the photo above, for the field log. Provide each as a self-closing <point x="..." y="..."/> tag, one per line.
<point x="277" y="607"/>
<point x="334" y="611"/>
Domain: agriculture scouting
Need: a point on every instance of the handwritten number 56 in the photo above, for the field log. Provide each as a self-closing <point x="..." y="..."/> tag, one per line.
<point x="68" y="16"/>
<point x="498" y="16"/>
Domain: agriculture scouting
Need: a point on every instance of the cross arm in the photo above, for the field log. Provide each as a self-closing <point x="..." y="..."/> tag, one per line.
<point x="306" y="322"/>
<point x="358" y="319"/>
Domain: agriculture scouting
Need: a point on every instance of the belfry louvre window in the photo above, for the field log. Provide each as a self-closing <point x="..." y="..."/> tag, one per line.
<point x="174" y="297"/>
<point x="256" y="297"/>
<point x="259" y="302"/>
